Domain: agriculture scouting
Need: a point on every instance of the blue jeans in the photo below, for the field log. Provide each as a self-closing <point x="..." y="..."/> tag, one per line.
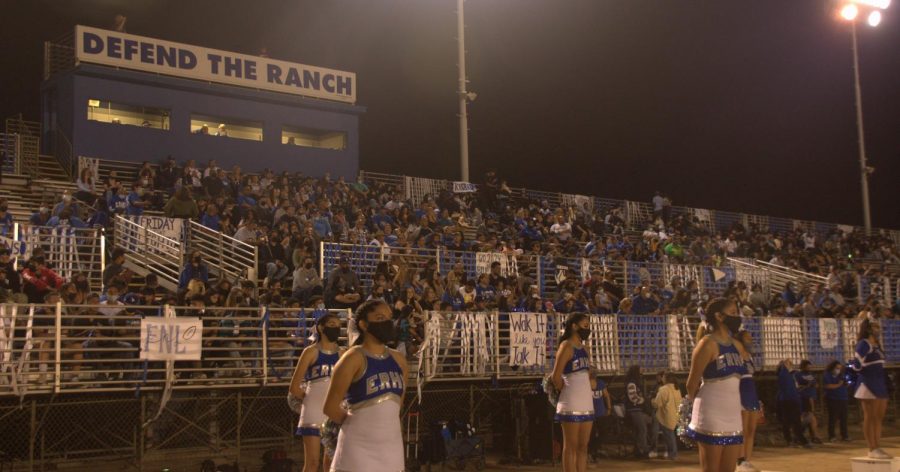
<point x="669" y="438"/>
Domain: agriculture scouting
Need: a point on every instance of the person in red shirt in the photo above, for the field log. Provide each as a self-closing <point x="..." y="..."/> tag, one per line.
<point x="39" y="280"/>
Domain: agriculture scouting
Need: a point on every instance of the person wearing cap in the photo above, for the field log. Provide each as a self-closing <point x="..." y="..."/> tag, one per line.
<point x="40" y="217"/>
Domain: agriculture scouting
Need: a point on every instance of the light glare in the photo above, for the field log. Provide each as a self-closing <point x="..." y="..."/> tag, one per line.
<point x="882" y="4"/>
<point x="849" y="12"/>
<point x="874" y="18"/>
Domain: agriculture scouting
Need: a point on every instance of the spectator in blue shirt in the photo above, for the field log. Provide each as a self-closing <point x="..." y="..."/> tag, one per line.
<point x="65" y="202"/>
<point x="6" y="219"/>
<point x="790" y="295"/>
<point x="806" y="383"/>
<point x="210" y="218"/>
<point x="194" y="269"/>
<point x="645" y="304"/>
<point x="836" y="399"/>
<point x="40" y="217"/>
<point x="381" y="218"/>
<point x="321" y="225"/>
<point x="118" y="202"/>
<point x="66" y="219"/>
<point x="788" y="399"/>
<point x="135" y="200"/>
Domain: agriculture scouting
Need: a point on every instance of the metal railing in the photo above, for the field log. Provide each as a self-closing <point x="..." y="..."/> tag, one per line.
<point x="29" y="138"/>
<point x="148" y="250"/>
<point x="9" y="153"/>
<point x="547" y="272"/>
<point x="226" y="256"/>
<point x="77" y="348"/>
<point x="636" y="214"/>
<point x="59" y="55"/>
<point x="67" y="250"/>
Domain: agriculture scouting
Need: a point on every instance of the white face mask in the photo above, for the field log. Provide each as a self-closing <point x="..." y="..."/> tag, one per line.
<point x="836" y="372"/>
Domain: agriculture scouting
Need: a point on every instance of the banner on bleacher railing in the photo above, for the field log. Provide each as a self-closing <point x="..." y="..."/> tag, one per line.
<point x="581" y="202"/>
<point x="484" y="260"/>
<point x="171" y="339"/>
<point x="156" y="56"/>
<point x="172" y="228"/>
<point x="527" y="339"/>
<point x="828" y="333"/>
<point x="92" y="164"/>
<point x="464" y="187"/>
<point x="16" y="248"/>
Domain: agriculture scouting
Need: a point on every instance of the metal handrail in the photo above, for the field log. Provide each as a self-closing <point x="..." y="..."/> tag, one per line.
<point x="149" y="250"/>
<point x="97" y="347"/>
<point x="223" y="254"/>
<point x="642" y="210"/>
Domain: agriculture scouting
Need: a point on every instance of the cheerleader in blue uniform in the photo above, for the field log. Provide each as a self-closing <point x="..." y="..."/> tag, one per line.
<point x="717" y="361"/>
<point x="872" y="391"/>
<point x="310" y="384"/>
<point x="370" y="380"/>
<point x="750" y="404"/>
<point x="572" y="378"/>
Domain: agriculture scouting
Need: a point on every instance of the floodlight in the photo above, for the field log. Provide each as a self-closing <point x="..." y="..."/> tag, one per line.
<point x="849" y="12"/>
<point x="874" y="18"/>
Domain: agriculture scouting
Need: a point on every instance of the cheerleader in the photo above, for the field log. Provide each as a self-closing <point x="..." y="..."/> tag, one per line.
<point x="370" y="379"/>
<point x="750" y="404"/>
<point x="310" y="384"/>
<point x="717" y="361"/>
<point x="872" y="391"/>
<point x="571" y="377"/>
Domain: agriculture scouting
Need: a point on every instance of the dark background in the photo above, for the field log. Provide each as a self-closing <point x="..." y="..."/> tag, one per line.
<point x="733" y="105"/>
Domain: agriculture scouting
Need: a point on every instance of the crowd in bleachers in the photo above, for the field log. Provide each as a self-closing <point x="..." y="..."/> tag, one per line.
<point x="286" y="215"/>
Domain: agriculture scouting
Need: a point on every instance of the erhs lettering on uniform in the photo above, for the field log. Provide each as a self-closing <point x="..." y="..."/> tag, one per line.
<point x="383" y="381"/>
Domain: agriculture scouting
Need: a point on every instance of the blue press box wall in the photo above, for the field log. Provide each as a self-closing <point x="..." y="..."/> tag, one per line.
<point x="66" y="95"/>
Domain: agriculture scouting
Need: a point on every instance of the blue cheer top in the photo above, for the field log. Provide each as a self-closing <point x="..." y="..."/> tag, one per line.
<point x="381" y="380"/>
<point x="579" y="361"/>
<point x="323" y="365"/>
<point x="729" y="363"/>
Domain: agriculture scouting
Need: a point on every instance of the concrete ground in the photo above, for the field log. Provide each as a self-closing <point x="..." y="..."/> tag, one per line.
<point x="822" y="458"/>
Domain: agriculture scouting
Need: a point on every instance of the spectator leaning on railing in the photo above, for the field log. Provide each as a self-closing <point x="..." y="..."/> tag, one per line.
<point x="181" y="205"/>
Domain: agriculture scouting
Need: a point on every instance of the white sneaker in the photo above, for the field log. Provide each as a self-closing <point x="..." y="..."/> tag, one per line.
<point x="652" y="455"/>
<point x="878" y="454"/>
<point x="746" y="466"/>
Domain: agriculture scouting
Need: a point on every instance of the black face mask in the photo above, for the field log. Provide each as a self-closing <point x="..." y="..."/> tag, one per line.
<point x="733" y="323"/>
<point x="584" y="333"/>
<point x="308" y="266"/>
<point x="382" y="330"/>
<point x="332" y="333"/>
<point x="81" y="285"/>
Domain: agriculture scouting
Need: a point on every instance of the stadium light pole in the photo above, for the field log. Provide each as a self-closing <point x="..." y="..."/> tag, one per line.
<point x="464" y="96"/>
<point x="850" y="11"/>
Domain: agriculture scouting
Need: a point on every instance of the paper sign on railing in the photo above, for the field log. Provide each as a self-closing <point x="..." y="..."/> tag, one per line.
<point x="463" y="187"/>
<point x="828" y="333"/>
<point x="528" y="339"/>
<point x="171" y="339"/>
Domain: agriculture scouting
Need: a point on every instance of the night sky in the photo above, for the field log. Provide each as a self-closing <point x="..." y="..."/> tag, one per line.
<point x="733" y="105"/>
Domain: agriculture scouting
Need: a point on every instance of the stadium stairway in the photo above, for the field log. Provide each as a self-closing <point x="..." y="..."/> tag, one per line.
<point x="26" y="194"/>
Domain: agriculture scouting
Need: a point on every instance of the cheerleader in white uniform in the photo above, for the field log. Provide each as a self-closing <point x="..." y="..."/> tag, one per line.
<point x="572" y="378"/>
<point x="717" y="361"/>
<point x="370" y="380"/>
<point x="310" y="384"/>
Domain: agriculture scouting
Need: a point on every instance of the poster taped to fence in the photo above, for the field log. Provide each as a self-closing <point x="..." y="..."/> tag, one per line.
<point x="171" y="339"/>
<point x="508" y="264"/>
<point x="828" y="333"/>
<point x="464" y="187"/>
<point x="528" y="339"/>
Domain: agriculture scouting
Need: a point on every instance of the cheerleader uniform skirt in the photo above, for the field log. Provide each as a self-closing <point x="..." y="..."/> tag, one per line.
<point x="716" y="415"/>
<point x="312" y="416"/>
<point x="871" y="385"/>
<point x="370" y="439"/>
<point x="576" y="400"/>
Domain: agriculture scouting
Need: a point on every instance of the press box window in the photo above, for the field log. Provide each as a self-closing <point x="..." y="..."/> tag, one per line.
<point x="314" y="138"/>
<point x="226" y="127"/>
<point x="121" y="114"/>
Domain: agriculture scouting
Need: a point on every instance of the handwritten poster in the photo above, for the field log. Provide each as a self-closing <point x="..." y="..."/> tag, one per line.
<point x="528" y="339"/>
